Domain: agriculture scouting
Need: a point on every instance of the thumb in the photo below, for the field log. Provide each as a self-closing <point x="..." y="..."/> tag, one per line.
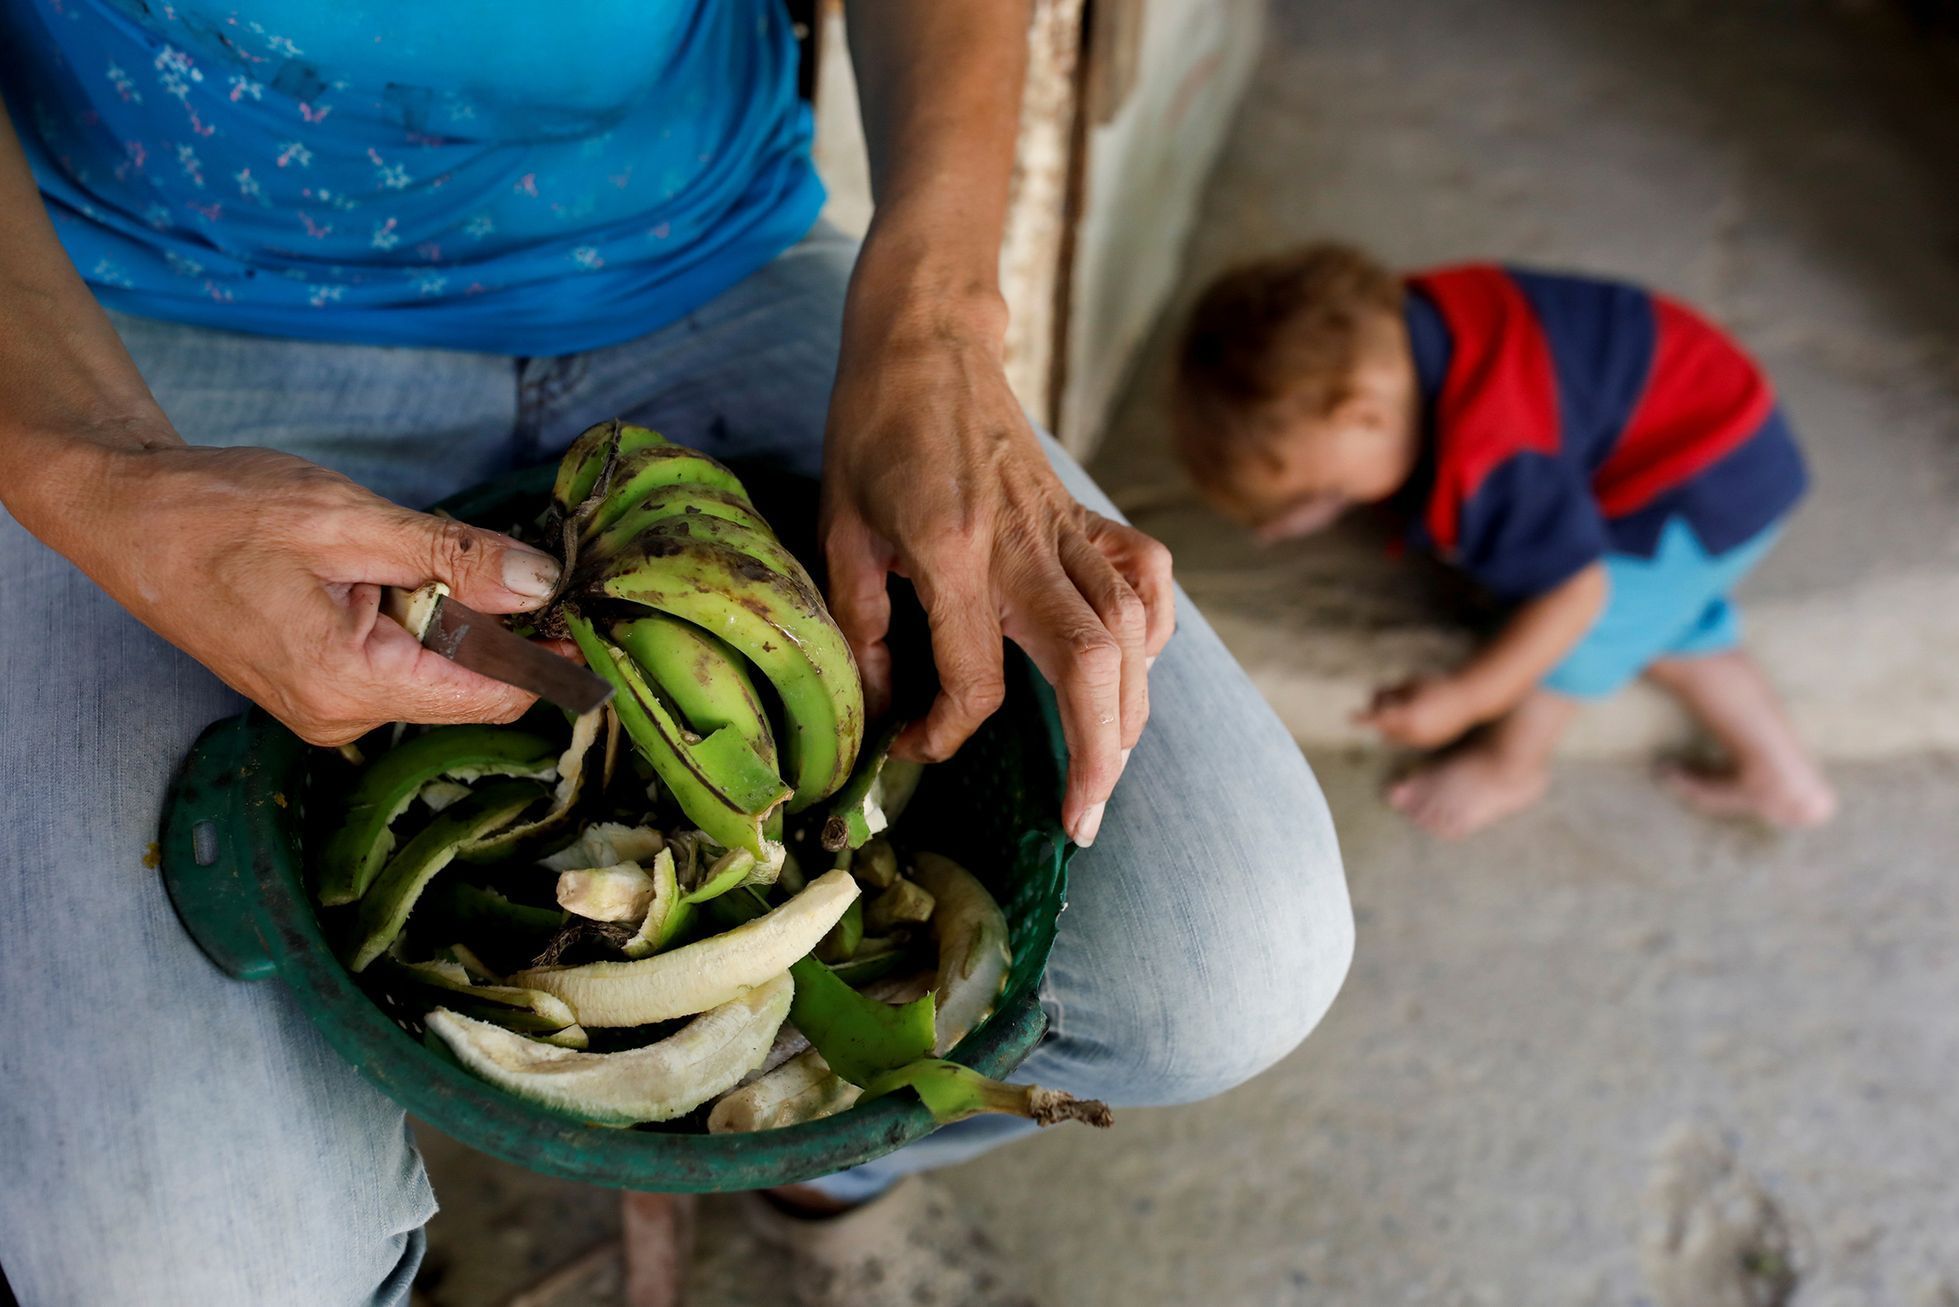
<point x="484" y="569"/>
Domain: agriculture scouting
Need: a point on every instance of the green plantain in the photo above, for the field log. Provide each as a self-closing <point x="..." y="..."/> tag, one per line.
<point x="720" y="782"/>
<point x="669" y="502"/>
<point x="760" y="545"/>
<point x="638" y="474"/>
<point x="584" y="462"/>
<point x="705" y="679"/>
<point x="778" y="621"/>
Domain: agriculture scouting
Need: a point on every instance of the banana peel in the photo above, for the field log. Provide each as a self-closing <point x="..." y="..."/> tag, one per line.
<point x="547" y="1011"/>
<point x="952" y="1092"/>
<point x="385" y="907"/>
<point x="360" y="845"/>
<point x="658" y="1082"/>
<point x="974" y="951"/>
<point x="856" y="813"/>
<point x="703" y="974"/>
<point x="575" y="767"/>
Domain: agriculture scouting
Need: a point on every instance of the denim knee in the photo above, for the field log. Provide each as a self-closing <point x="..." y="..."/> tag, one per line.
<point x="1221" y="972"/>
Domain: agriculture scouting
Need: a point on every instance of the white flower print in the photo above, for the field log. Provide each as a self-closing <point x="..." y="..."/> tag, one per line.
<point x="244" y="88"/>
<point x="391" y="175"/>
<point x="176" y="72"/>
<point x="321" y="296"/>
<point x="247" y="184"/>
<point x="294" y="152"/>
<point x="430" y="283"/>
<point x="182" y="266"/>
<point x="110" y="274"/>
<point x="125" y="87"/>
<point x="158" y="216"/>
<point x="282" y="45"/>
<point x="385" y="236"/>
<point x="332" y="199"/>
<point x="587" y="257"/>
<point x="193" y="166"/>
<point x="479" y="226"/>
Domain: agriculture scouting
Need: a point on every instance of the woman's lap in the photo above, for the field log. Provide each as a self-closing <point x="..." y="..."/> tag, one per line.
<point x="172" y="1131"/>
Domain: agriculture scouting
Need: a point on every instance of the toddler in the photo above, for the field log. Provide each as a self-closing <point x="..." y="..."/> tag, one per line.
<point x="1599" y="456"/>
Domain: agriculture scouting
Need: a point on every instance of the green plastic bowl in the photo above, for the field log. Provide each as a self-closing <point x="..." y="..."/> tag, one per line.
<point x="235" y="868"/>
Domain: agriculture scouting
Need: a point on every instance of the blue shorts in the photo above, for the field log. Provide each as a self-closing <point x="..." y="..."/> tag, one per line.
<point x="1672" y="605"/>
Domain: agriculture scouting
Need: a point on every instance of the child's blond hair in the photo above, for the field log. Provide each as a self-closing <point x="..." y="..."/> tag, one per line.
<point x="1268" y="343"/>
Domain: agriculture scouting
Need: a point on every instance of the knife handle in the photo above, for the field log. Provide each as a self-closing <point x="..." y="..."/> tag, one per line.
<point x="414" y="609"/>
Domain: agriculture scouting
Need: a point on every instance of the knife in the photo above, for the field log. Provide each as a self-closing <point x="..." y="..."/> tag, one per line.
<point x="485" y="645"/>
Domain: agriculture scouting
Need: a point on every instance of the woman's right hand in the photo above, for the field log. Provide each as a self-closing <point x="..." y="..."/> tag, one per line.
<point x="268" y="570"/>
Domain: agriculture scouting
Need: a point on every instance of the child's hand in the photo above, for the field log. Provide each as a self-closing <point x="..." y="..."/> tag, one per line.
<point x="1422" y="713"/>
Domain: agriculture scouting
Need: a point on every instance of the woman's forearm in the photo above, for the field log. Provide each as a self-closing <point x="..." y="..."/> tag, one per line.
<point x="940" y="88"/>
<point x="1535" y="639"/>
<point x="68" y="389"/>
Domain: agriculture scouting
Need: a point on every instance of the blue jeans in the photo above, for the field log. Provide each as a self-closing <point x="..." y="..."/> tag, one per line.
<point x="171" y="1136"/>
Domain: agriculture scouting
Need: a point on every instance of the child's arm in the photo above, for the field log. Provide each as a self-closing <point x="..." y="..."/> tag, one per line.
<point x="1428" y="712"/>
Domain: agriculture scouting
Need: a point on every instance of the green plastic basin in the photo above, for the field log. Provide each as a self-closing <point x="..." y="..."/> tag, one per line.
<point x="234" y="862"/>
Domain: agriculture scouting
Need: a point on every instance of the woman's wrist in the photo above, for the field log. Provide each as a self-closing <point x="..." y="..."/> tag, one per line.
<point x="915" y="275"/>
<point x="54" y="481"/>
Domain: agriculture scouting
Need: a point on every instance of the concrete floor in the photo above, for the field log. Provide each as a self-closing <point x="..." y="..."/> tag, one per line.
<point x="1607" y="1054"/>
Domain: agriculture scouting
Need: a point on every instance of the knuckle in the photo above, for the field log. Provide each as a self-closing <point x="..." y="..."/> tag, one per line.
<point x="453" y="546"/>
<point x="978" y="697"/>
<point x="1126" y="612"/>
<point x="1095" y="654"/>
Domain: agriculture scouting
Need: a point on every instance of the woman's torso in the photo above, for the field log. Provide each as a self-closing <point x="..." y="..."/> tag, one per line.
<point x="495" y="175"/>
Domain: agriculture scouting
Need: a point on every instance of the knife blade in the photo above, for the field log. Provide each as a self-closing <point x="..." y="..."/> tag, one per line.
<point x="484" y="645"/>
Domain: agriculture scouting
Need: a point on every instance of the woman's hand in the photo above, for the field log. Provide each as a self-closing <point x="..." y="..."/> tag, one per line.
<point x="931" y="471"/>
<point x="268" y="570"/>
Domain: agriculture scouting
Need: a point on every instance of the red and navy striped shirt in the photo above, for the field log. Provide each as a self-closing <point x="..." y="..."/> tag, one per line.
<point x="1568" y="417"/>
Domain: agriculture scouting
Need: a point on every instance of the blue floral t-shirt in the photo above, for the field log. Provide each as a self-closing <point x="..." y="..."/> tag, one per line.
<point x="497" y="175"/>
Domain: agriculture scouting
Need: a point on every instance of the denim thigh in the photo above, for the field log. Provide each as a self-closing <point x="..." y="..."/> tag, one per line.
<point x="172" y="1136"/>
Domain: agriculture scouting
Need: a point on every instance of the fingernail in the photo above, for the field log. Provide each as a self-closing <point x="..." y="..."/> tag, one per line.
<point x="1149" y="662"/>
<point x="1090" y="823"/>
<point x="1125" y="758"/>
<point x="529" y="573"/>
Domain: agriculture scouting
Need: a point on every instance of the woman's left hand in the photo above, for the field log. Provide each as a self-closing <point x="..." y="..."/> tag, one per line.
<point x="932" y="471"/>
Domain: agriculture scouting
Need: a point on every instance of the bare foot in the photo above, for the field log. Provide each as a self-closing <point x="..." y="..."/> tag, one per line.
<point x="1794" y="800"/>
<point x="1462" y="792"/>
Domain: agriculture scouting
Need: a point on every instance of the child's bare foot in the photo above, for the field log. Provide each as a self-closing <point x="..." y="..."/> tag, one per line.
<point x="1794" y="801"/>
<point x="1462" y="792"/>
<point x="1772" y="778"/>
